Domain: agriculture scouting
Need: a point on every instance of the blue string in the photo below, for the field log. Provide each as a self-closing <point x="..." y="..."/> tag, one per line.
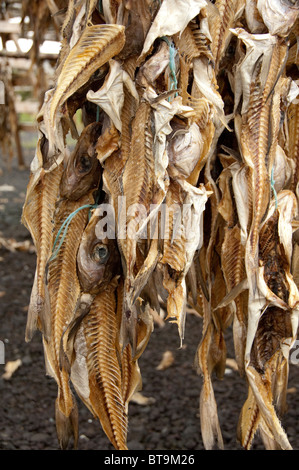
<point x="64" y="227"/>
<point x="172" y="51"/>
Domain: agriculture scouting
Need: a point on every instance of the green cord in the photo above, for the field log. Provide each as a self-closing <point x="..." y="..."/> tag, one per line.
<point x="174" y="82"/>
<point x="64" y="227"/>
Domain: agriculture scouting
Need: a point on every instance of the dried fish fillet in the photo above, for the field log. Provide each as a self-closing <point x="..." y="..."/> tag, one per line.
<point x="103" y="387"/>
<point x="97" y="45"/>
<point x="229" y="14"/>
<point x="37" y="216"/>
<point x="63" y="288"/>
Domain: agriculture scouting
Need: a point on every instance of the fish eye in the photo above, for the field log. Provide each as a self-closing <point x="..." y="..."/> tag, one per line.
<point x="100" y="253"/>
<point x="84" y="164"/>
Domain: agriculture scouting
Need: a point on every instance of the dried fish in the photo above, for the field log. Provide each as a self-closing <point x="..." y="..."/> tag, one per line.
<point x="82" y="171"/>
<point x="181" y="192"/>
<point x="101" y="386"/>
<point x="110" y="97"/>
<point x="98" y="259"/>
<point x="37" y="216"/>
<point x="279" y="15"/>
<point x="172" y="17"/>
<point x="97" y="45"/>
<point x="229" y="14"/>
<point x="63" y="288"/>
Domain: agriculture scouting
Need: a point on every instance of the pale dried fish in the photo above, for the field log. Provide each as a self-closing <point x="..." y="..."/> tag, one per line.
<point x="97" y="45"/>
<point x="110" y="97"/>
<point x="278" y="15"/>
<point x="37" y="216"/>
<point x="172" y="17"/>
<point x="229" y="13"/>
<point x="184" y="150"/>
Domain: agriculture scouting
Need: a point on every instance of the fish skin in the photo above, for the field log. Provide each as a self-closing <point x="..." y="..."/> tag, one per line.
<point x="37" y="216"/>
<point x="267" y="367"/>
<point x="64" y="289"/>
<point x="83" y="170"/>
<point x="232" y="264"/>
<point x="96" y="46"/>
<point x="263" y="394"/>
<point x="292" y="145"/>
<point x="278" y="15"/>
<point x="137" y="18"/>
<point x="130" y="371"/>
<point x="96" y="273"/>
<point x="229" y="13"/>
<point x="249" y="420"/>
<point x="104" y="370"/>
<point x="140" y="168"/>
<point x="204" y="363"/>
<point x="174" y="257"/>
<point x="257" y="143"/>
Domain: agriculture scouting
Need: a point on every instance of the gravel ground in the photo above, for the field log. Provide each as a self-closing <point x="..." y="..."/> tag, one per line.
<point x="170" y="420"/>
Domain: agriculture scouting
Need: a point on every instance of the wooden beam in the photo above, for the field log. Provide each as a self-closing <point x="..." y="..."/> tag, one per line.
<point x="10" y="28"/>
<point x="28" y="107"/>
<point x="25" y="55"/>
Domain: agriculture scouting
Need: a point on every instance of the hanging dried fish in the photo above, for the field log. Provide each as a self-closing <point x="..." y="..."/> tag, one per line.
<point x="98" y="259"/>
<point x="83" y="171"/>
<point x="181" y="191"/>
<point x="229" y="14"/>
<point x="97" y="45"/>
<point x="279" y="15"/>
<point x="96" y="347"/>
<point x="63" y="288"/>
<point x="37" y="216"/>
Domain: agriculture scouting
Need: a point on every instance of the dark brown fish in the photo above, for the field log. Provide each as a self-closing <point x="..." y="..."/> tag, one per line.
<point x="83" y="170"/>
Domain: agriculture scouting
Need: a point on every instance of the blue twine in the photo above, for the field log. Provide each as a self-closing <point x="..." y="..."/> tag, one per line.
<point x="64" y="227"/>
<point x="172" y="51"/>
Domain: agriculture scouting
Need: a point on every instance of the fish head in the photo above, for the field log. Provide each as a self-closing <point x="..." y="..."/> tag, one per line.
<point x="98" y="260"/>
<point x="83" y="170"/>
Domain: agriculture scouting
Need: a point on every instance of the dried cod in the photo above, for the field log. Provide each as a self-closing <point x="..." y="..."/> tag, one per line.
<point x="181" y="191"/>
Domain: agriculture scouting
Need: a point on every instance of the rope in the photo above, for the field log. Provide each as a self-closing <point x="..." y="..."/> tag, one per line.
<point x="64" y="228"/>
<point x="172" y="52"/>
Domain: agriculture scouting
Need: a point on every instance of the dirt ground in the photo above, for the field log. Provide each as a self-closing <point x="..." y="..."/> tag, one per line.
<point x="170" y="419"/>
